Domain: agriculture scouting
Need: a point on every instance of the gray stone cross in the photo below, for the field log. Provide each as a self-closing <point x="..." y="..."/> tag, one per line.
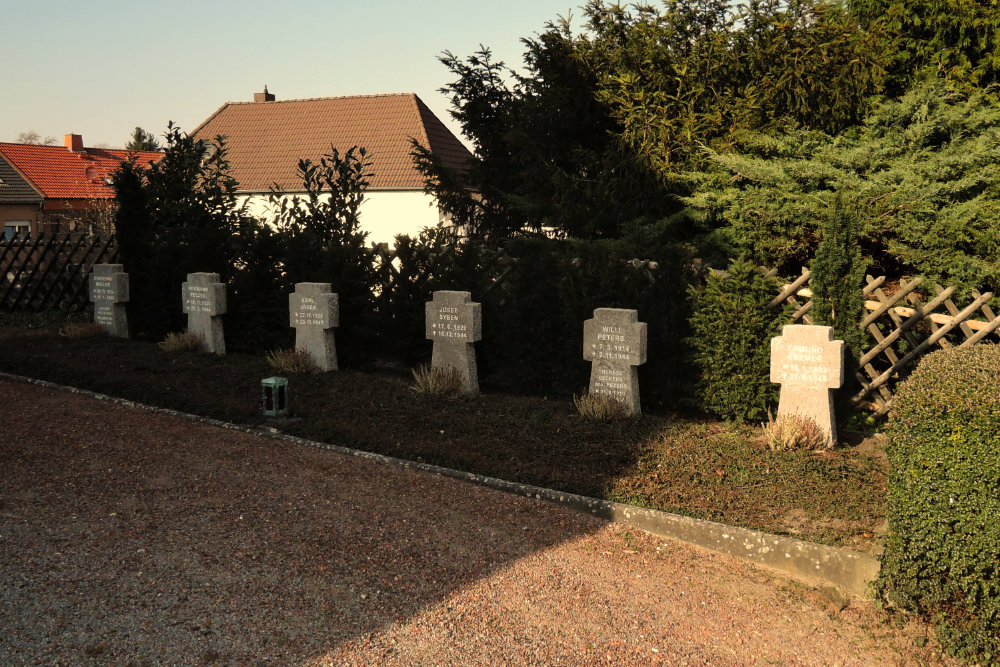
<point x="808" y="363"/>
<point x="204" y="299"/>
<point x="454" y="322"/>
<point x="314" y="311"/>
<point x="615" y="342"/>
<point x="109" y="292"/>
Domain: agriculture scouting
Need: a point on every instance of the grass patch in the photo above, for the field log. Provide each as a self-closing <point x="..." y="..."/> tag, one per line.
<point x="599" y="408"/>
<point x="794" y="432"/>
<point x="77" y="330"/>
<point x="290" y="361"/>
<point x="180" y="341"/>
<point x="437" y="382"/>
<point x="727" y="473"/>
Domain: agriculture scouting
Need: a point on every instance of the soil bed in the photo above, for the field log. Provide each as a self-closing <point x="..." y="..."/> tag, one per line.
<point x="690" y="466"/>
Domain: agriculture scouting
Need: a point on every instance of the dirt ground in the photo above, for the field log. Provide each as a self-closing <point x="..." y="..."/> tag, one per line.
<point x="132" y="537"/>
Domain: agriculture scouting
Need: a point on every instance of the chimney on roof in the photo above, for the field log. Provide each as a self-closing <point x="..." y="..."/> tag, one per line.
<point x="74" y="142"/>
<point x="263" y="97"/>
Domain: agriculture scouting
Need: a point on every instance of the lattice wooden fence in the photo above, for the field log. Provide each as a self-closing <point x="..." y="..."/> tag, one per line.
<point x="51" y="270"/>
<point x="902" y="327"/>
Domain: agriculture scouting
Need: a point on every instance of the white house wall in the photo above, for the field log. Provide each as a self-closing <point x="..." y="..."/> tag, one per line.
<point x="383" y="214"/>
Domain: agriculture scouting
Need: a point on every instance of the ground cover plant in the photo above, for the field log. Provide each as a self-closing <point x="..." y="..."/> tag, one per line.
<point x="941" y="556"/>
<point x="693" y="466"/>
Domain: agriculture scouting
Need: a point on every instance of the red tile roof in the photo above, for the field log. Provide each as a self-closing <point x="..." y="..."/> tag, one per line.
<point x="265" y="140"/>
<point x="59" y="173"/>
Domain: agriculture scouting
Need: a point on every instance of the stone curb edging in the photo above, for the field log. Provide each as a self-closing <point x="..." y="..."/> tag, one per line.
<point x="844" y="569"/>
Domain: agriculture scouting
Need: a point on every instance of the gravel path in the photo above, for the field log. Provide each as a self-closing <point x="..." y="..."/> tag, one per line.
<point x="133" y="537"/>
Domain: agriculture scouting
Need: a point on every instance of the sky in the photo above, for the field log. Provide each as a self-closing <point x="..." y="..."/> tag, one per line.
<point x="100" y="68"/>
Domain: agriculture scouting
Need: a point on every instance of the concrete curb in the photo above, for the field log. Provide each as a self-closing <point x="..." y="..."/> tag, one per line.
<point x="847" y="570"/>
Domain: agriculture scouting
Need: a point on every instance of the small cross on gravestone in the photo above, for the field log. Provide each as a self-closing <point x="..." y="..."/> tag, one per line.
<point x="615" y="341"/>
<point x="808" y="363"/>
<point x="454" y="322"/>
<point x="314" y="310"/>
<point x="109" y="292"/>
<point x="204" y="299"/>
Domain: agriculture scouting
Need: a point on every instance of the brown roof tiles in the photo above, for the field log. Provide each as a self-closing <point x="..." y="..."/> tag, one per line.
<point x="265" y="140"/>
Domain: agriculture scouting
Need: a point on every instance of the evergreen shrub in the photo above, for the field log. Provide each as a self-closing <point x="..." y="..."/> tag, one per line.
<point x="180" y="215"/>
<point x="533" y="318"/>
<point x="942" y="559"/>
<point x="838" y="273"/>
<point x="432" y="260"/>
<point x="321" y="241"/>
<point x="731" y="327"/>
<point x="536" y="293"/>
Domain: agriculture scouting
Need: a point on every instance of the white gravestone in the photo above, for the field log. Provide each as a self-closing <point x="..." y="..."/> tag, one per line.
<point x="615" y="342"/>
<point x="314" y="311"/>
<point x="808" y="363"/>
<point x="454" y="322"/>
<point x="109" y="292"/>
<point x="204" y="299"/>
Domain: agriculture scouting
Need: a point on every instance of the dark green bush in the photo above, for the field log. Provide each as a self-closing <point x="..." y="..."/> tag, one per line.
<point x="536" y="293"/>
<point x="533" y="320"/>
<point x="181" y="216"/>
<point x="323" y="242"/>
<point x="433" y="260"/>
<point x="731" y="332"/>
<point x="942" y="559"/>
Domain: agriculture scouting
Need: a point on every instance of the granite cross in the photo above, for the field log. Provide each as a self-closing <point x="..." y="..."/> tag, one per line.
<point x="615" y="342"/>
<point x="454" y="322"/>
<point x="314" y="311"/>
<point x="109" y="292"/>
<point x="204" y="299"/>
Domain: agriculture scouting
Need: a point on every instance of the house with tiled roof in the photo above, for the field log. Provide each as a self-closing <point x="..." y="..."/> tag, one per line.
<point x="266" y="139"/>
<point x="47" y="189"/>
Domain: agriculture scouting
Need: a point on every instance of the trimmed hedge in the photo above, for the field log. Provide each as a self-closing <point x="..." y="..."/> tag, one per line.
<point x="942" y="559"/>
<point x="732" y="328"/>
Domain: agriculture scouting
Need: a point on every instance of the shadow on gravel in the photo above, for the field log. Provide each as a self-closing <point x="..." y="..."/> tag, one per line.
<point x="131" y="536"/>
<point x="526" y="439"/>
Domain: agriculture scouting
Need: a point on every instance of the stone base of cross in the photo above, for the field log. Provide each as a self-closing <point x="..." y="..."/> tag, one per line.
<point x="615" y="342"/>
<point x="204" y="299"/>
<point x="454" y="322"/>
<point x="809" y="364"/>
<point x="314" y="311"/>
<point x="109" y="292"/>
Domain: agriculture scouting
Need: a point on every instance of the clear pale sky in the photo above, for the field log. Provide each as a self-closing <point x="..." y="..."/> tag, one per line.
<point x="99" y="68"/>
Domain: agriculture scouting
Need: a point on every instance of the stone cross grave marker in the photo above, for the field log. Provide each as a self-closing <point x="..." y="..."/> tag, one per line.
<point x="314" y="311"/>
<point x="204" y="299"/>
<point x="454" y="322"/>
<point x="109" y="292"/>
<point x="808" y="363"/>
<point x="615" y="342"/>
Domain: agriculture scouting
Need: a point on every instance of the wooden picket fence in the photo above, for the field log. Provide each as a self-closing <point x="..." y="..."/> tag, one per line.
<point x="903" y="326"/>
<point x="51" y="270"/>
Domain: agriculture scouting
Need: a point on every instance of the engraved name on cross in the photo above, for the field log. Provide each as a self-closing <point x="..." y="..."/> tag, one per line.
<point x="109" y="292"/>
<point x="204" y="299"/>
<point x="809" y="364"/>
<point x="615" y="342"/>
<point x="314" y="311"/>
<point x="454" y="322"/>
